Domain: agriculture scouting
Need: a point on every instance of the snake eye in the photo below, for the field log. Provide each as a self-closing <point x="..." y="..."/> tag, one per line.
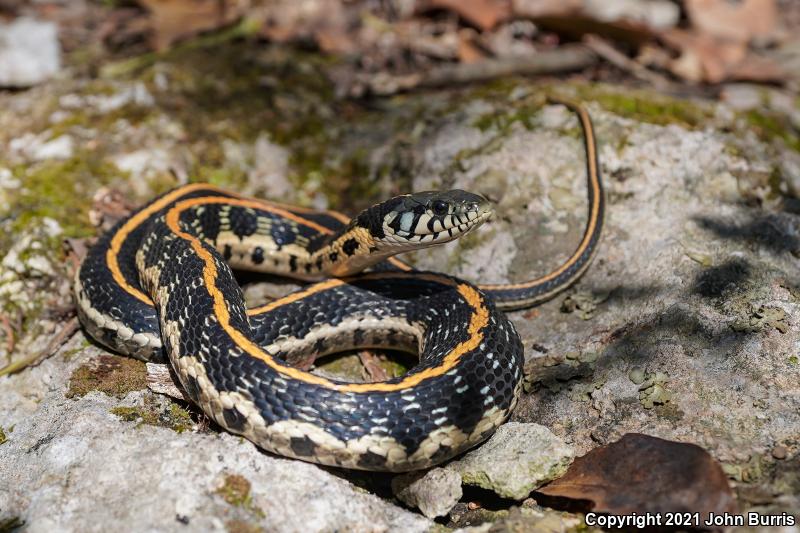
<point x="439" y="207"/>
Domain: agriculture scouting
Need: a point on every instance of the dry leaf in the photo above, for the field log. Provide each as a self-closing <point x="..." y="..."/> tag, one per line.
<point x="325" y="22"/>
<point x="173" y="20"/>
<point x="759" y="69"/>
<point x="640" y="473"/>
<point x="734" y="21"/>
<point x="485" y="14"/>
<point x="703" y="58"/>
<point x="545" y="8"/>
<point x="468" y="51"/>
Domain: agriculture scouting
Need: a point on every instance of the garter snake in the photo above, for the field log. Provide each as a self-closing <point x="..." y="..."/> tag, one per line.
<point x="160" y="285"/>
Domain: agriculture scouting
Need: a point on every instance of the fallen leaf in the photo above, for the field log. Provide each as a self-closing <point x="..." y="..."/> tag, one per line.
<point x="325" y="22"/>
<point x="734" y="21"/>
<point x="485" y="14"/>
<point x="468" y="51"/>
<point x="703" y="58"/>
<point x="173" y="20"/>
<point x="758" y="69"/>
<point x="545" y="8"/>
<point x="641" y="474"/>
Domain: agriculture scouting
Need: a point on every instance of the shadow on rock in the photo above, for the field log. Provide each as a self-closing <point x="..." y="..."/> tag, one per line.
<point x="775" y="232"/>
<point x="731" y="276"/>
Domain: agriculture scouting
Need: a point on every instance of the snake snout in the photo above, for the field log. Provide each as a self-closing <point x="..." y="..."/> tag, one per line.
<point x="433" y="217"/>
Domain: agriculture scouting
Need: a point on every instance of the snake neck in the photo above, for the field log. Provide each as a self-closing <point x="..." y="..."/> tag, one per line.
<point x="357" y="246"/>
<point x="349" y="252"/>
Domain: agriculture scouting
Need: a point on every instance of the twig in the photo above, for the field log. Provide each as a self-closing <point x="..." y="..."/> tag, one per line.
<point x="563" y="59"/>
<point x="606" y="50"/>
<point x="66" y="332"/>
<point x="160" y="379"/>
<point x="247" y="27"/>
<point x="375" y="372"/>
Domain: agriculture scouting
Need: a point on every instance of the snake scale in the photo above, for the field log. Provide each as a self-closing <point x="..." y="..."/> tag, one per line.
<point x="160" y="286"/>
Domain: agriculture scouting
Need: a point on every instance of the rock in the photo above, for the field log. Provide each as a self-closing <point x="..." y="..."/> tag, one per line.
<point x="434" y="492"/>
<point x="526" y="518"/>
<point x="76" y="454"/>
<point x="29" y="52"/>
<point x="41" y="147"/>
<point x="518" y="458"/>
<point x="696" y="259"/>
<point x="61" y="147"/>
<point x="657" y="14"/>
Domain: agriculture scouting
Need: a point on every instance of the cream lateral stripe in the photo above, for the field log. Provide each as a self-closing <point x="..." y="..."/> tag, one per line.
<point x="594" y="213"/>
<point x="127" y="228"/>
<point x="139" y="218"/>
<point x="478" y="321"/>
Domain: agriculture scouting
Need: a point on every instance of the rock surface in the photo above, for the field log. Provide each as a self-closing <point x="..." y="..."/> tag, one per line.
<point x="29" y="52"/>
<point x="687" y="326"/>
<point x="517" y="459"/>
<point x="434" y="492"/>
<point x="82" y="464"/>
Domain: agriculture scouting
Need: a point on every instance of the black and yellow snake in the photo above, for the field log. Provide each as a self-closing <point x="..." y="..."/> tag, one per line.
<point x="160" y="285"/>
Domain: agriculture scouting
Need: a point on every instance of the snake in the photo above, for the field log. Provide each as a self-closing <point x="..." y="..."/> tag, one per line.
<point x="160" y="286"/>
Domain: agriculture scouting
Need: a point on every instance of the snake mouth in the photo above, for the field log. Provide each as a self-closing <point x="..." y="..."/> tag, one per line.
<point x="428" y="218"/>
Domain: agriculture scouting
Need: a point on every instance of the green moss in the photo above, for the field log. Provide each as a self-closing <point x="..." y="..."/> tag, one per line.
<point x="392" y="366"/>
<point x="646" y="106"/>
<point x="133" y="414"/>
<point x="112" y="375"/>
<point x="242" y="526"/>
<point x="61" y="190"/>
<point x="503" y="120"/>
<point x="772" y="126"/>
<point x="152" y="413"/>
<point x="235" y="490"/>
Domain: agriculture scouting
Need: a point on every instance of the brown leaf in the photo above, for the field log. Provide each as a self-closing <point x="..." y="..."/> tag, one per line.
<point x="703" y="58"/>
<point x="325" y="22"/>
<point x="640" y="473"/>
<point x="173" y="20"/>
<point x="545" y="8"/>
<point x="759" y="69"/>
<point x="485" y="14"/>
<point x="734" y="21"/>
<point x="468" y="51"/>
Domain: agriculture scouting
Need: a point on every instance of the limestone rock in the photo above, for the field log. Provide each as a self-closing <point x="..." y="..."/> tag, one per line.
<point x="29" y="52"/>
<point x="434" y="492"/>
<point x="517" y="459"/>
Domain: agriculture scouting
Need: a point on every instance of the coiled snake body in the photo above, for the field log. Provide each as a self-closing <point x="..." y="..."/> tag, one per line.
<point x="160" y="285"/>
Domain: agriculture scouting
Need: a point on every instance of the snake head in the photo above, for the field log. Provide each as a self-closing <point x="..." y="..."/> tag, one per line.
<point x="426" y="218"/>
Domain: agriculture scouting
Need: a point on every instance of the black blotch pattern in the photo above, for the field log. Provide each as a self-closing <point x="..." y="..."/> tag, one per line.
<point x="371" y="461"/>
<point x="350" y="246"/>
<point x="227" y="253"/>
<point x="302" y="446"/>
<point x="333" y="256"/>
<point x="293" y="263"/>
<point x="258" y="255"/>
<point x="233" y="419"/>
